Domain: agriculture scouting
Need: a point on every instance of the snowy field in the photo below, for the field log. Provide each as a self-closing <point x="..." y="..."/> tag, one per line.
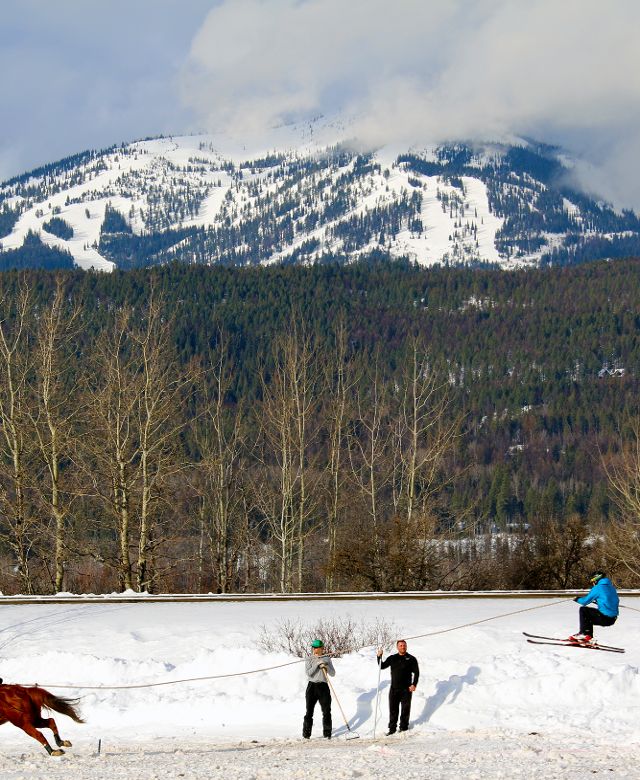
<point x="488" y="705"/>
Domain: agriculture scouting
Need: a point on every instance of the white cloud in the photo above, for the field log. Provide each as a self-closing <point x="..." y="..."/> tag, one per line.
<point x="563" y="71"/>
<point x="423" y="70"/>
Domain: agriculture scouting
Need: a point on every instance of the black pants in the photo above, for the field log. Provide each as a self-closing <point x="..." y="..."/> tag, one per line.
<point x="590" y="617"/>
<point x="397" y="697"/>
<point x="317" y="692"/>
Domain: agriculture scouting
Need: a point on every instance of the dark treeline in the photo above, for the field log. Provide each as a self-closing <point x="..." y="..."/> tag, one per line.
<point x="34" y="254"/>
<point x="372" y="426"/>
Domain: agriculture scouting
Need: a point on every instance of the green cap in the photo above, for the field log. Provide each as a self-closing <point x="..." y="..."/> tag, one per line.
<point x="317" y="643"/>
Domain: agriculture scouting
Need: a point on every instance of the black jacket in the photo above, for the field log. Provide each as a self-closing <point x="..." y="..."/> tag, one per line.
<point x="403" y="669"/>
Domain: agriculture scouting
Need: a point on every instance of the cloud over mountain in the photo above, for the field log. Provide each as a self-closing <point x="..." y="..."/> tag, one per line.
<point x="566" y="72"/>
<point x="407" y="70"/>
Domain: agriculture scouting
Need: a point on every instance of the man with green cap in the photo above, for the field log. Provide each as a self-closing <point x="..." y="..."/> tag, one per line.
<point x="317" y="666"/>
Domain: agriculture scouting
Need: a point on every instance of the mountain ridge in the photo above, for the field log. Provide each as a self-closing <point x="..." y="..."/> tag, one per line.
<point x="307" y="193"/>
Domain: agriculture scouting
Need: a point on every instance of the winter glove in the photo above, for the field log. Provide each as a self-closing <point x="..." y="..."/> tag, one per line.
<point x="576" y="599"/>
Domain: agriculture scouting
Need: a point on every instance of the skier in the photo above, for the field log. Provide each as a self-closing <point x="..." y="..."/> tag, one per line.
<point x="404" y="678"/>
<point x="605" y="596"/>
<point x="316" y="666"/>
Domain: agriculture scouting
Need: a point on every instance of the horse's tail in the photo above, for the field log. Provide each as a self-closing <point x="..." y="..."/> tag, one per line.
<point x="59" y="704"/>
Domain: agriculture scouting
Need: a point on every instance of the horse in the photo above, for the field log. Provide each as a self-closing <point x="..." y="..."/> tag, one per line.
<point x="21" y="706"/>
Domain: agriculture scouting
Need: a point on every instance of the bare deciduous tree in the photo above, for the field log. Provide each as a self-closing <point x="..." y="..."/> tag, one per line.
<point x="137" y="422"/>
<point x="623" y="473"/>
<point x="425" y="434"/>
<point x="15" y="443"/>
<point x="285" y="492"/>
<point x="370" y="458"/>
<point x="222" y="509"/>
<point x="340" y="382"/>
<point x="55" y="409"/>
<point x="113" y="399"/>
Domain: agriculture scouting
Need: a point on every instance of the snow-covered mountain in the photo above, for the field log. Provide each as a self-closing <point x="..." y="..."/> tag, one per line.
<point x="305" y="193"/>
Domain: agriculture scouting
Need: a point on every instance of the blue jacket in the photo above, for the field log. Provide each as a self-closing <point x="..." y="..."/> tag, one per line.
<point x="604" y="595"/>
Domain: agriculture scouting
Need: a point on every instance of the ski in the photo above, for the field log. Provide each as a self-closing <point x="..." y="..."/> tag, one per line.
<point x="573" y="644"/>
<point x="566" y="641"/>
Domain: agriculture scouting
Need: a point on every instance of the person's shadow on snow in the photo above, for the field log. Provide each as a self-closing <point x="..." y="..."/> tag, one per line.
<point x="445" y="689"/>
<point x="364" y="710"/>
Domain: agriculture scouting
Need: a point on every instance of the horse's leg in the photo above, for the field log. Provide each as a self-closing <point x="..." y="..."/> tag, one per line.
<point x="33" y="732"/>
<point x="49" y="723"/>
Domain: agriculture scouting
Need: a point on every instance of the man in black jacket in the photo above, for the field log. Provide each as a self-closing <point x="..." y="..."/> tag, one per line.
<point x="404" y="678"/>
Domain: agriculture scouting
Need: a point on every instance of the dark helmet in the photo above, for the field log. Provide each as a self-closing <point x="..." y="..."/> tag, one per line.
<point x="597" y="576"/>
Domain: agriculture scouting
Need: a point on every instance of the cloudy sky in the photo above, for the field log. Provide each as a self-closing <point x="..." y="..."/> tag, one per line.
<point x="82" y="74"/>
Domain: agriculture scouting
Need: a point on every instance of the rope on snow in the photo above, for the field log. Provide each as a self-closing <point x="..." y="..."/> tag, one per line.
<point x="290" y="663"/>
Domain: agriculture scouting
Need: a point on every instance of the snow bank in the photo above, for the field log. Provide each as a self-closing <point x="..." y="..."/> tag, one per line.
<point x="487" y="702"/>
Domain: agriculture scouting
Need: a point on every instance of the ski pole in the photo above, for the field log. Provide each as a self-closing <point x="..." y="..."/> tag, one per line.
<point x="354" y="734"/>
<point x="375" y="717"/>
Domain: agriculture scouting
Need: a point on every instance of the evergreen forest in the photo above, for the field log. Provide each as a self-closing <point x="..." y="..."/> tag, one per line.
<point x="370" y="426"/>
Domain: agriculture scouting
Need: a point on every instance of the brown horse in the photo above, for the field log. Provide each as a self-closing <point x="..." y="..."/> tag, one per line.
<point x="21" y="706"/>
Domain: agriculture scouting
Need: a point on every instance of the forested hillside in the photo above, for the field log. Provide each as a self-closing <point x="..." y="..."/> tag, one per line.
<point x="374" y="426"/>
<point x="306" y="192"/>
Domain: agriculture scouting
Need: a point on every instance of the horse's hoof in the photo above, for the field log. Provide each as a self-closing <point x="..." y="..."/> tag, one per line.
<point x="57" y="753"/>
<point x="64" y="743"/>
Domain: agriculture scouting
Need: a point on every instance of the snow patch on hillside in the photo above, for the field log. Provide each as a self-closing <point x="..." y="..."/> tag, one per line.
<point x="223" y="182"/>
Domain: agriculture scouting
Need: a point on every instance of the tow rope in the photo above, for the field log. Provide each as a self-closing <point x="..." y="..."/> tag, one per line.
<point x="288" y="663"/>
